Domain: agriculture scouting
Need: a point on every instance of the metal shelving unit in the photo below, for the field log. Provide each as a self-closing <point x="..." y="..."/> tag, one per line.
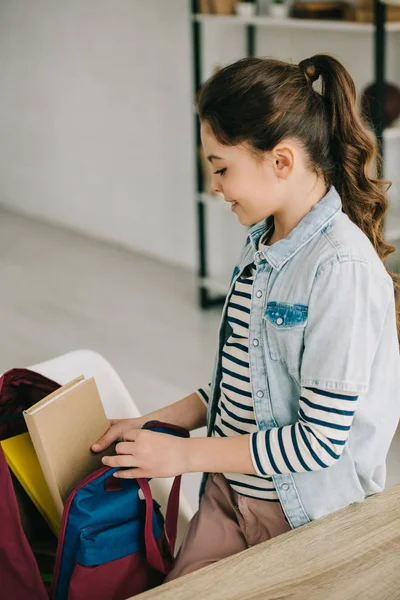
<point x="210" y="292"/>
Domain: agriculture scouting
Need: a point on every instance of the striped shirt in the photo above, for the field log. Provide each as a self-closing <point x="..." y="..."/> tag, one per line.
<point x="314" y="442"/>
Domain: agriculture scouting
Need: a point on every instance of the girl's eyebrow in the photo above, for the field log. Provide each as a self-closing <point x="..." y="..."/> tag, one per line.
<point x="213" y="156"/>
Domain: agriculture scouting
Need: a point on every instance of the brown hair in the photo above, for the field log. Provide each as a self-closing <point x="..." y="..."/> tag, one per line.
<point x="261" y="101"/>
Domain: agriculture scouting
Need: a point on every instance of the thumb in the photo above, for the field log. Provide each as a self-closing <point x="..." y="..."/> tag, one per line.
<point x="113" y="434"/>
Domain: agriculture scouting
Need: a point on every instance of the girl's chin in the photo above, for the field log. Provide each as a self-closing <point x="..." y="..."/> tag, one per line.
<point x="247" y="219"/>
<point x="243" y="218"/>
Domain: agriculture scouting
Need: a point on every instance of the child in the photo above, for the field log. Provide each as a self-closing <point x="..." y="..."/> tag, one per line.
<point x="304" y="399"/>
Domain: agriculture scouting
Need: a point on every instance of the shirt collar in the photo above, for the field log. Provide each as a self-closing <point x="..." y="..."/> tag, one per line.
<point x="312" y="224"/>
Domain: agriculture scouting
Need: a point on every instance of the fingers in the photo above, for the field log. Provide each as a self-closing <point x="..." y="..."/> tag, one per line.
<point x="125" y="448"/>
<point x="112" y="435"/>
<point x="123" y="460"/>
<point x="131" y="435"/>
<point x="118" y="430"/>
<point x="129" y="474"/>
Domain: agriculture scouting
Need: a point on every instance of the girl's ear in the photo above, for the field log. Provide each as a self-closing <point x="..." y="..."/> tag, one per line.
<point x="283" y="160"/>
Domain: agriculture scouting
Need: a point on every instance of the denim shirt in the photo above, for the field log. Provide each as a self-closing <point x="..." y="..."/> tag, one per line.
<point x="322" y="315"/>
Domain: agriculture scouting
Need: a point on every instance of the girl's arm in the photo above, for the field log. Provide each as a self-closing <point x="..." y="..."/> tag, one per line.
<point x="307" y="445"/>
<point x="314" y="442"/>
<point x="219" y="455"/>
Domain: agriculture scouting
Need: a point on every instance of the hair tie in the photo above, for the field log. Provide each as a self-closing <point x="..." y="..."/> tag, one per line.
<point x="309" y="70"/>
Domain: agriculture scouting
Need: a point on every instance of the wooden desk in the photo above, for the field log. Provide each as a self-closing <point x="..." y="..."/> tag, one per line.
<point x="351" y="554"/>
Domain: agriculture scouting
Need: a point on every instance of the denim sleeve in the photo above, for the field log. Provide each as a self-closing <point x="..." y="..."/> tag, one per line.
<point x="346" y="313"/>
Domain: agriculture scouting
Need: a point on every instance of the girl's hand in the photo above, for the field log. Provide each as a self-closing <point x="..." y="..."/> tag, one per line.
<point x="148" y="454"/>
<point x="116" y="433"/>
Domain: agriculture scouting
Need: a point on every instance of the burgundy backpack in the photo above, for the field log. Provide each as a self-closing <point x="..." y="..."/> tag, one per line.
<point x="19" y="573"/>
<point x="91" y="553"/>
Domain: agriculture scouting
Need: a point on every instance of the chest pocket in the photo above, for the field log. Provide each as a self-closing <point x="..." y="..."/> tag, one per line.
<point x="285" y="325"/>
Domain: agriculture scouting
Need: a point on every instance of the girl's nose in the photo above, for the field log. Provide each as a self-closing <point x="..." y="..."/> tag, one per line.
<point x="215" y="186"/>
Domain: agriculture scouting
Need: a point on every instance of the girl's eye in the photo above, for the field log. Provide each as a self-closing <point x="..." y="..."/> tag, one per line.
<point x="220" y="172"/>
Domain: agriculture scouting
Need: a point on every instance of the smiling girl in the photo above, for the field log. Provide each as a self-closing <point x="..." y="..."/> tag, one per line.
<point x="304" y="397"/>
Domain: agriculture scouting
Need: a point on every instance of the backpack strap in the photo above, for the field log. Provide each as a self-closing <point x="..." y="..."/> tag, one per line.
<point x="171" y="517"/>
<point x="153" y="552"/>
<point x="154" y="555"/>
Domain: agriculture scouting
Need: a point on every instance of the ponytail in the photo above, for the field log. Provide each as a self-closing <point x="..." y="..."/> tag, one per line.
<point x="354" y="152"/>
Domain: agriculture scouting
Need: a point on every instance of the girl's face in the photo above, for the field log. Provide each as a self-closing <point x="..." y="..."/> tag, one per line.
<point x="255" y="187"/>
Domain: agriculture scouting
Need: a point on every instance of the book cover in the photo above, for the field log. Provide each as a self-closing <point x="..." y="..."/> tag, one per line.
<point x="62" y="427"/>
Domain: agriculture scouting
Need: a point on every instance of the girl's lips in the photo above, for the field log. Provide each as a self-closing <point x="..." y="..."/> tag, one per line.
<point x="234" y="206"/>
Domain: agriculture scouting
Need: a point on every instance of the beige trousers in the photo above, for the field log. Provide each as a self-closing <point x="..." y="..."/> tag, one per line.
<point x="226" y="523"/>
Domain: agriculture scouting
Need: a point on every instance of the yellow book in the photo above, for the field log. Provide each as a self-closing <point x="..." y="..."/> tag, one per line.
<point x="23" y="461"/>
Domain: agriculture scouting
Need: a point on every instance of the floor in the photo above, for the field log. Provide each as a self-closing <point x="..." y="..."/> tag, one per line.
<point x="61" y="291"/>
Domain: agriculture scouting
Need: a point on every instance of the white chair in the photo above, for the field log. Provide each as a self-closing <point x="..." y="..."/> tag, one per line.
<point x="118" y="404"/>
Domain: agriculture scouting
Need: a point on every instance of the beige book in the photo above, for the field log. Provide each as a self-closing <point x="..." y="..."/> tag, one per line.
<point x="62" y="427"/>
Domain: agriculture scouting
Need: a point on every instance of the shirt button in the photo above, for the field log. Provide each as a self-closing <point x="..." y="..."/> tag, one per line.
<point x="279" y="321"/>
<point x="259" y="294"/>
<point x="285" y="486"/>
<point x="255" y="342"/>
<point x="260" y="394"/>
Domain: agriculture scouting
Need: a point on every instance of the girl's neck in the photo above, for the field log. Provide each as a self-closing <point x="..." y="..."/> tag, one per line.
<point x="296" y="208"/>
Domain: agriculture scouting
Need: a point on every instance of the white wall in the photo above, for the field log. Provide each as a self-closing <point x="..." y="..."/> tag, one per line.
<point x="96" y="121"/>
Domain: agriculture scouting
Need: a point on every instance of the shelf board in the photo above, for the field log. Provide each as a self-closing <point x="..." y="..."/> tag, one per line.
<point x="290" y="23"/>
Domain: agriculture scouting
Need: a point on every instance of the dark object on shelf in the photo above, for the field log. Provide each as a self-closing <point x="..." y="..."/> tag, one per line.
<point x="363" y="12"/>
<point x="391" y="107"/>
<point x="318" y="10"/>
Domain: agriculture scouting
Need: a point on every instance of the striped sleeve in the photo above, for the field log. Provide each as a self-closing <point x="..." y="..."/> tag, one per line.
<point x="204" y="393"/>
<point x="314" y="442"/>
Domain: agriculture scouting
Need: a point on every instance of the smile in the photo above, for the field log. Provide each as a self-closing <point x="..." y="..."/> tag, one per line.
<point x="233" y="204"/>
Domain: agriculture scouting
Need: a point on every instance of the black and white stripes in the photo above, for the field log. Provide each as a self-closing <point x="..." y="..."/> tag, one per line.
<point x="314" y="442"/>
<point x="235" y="415"/>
